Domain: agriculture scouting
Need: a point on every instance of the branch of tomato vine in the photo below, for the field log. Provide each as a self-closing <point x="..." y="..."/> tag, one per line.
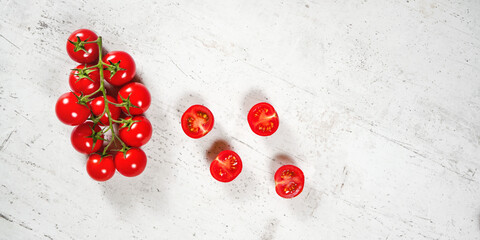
<point x="100" y="65"/>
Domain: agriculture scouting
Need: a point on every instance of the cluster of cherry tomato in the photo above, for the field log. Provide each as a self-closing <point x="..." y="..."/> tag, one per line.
<point x="198" y="120"/>
<point x="84" y="107"/>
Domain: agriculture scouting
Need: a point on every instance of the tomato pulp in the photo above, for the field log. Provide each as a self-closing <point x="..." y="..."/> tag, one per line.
<point x="197" y="121"/>
<point x="226" y="166"/>
<point x="263" y="119"/>
<point x="289" y="181"/>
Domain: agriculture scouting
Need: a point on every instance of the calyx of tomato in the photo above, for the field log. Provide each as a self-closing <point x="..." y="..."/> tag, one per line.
<point x="95" y="136"/>
<point x="103" y="155"/>
<point x="113" y="68"/>
<point x="83" y="73"/>
<point x="79" y="44"/>
<point x="127" y="104"/>
<point x="124" y="150"/>
<point x="127" y="123"/>
<point x="83" y="100"/>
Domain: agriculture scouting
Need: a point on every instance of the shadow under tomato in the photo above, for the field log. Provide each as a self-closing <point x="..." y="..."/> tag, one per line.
<point x="280" y="160"/>
<point x="187" y="101"/>
<point x="149" y="190"/>
<point x="253" y="97"/>
<point x="217" y="146"/>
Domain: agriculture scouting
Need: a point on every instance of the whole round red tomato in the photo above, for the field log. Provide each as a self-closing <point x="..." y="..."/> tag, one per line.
<point x="289" y="181"/>
<point x="132" y="163"/>
<point x="69" y="111"/>
<point x="197" y="121"/>
<point x="100" y="169"/>
<point x="137" y="97"/>
<point x="83" y="80"/>
<point x="122" y="69"/>
<point x="226" y="166"/>
<point x="138" y="133"/>
<point x="78" y="50"/>
<point x="263" y="119"/>
<point x="98" y="105"/>
<point x="86" y="138"/>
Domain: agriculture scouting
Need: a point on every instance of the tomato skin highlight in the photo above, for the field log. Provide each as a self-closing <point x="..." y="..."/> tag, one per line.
<point x="197" y="121"/>
<point x="139" y="96"/>
<point x="263" y="119"/>
<point x="124" y="61"/>
<point x="226" y="166"/>
<point x="98" y="105"/>
<point x="132" y="163"/>
<point x="69" y="111"/>
<point x="84" y="85"/>
<point x="81" y="140"/>
<point x="90" y="55"/>
<point x="289" y="181"/>
<point x="139" y="133"/>
<point x="100" y="169"/>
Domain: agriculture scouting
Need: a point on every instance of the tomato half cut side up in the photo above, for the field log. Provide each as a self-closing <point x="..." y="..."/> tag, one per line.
<point x="263" y="119"/>
<point x="197" y="121"/>
<point x="226" y="166"/>
<point x="289" y="181"/>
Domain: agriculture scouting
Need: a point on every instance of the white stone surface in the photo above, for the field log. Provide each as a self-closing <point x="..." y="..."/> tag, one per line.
<point x="379" y="103"/>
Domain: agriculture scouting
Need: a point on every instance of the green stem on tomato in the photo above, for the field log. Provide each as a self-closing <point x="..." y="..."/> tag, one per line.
<point x="116" y="104"/>
<point x="91" y="94"/>
<point x="91" y="67"/>
<point x="116" y="121"/>
<point x="104" y="63"/>
<point x="105" y="100"/>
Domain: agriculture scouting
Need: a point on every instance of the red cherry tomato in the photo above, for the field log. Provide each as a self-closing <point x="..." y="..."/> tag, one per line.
<point x="289" y="181"/>
<point x="122" y="69"/>
<point x="83" y="138"/>
<point x="132" y="163"/>
<point x="263" y="119"/>
<point x="197" y="121"/>
<point x="138" y="95"/>
<point x="138" y="133"/>
<point x="98" y="105"/>
<point x="100" y="169"/>
<point x="78" y="50"/>
<point x="69" y="111"/>
<point x="226" y="166"/>
<point x="84" y="81"/>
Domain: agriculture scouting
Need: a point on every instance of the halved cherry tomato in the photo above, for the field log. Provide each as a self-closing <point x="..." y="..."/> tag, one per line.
<point x="83" y="80"/>
<point x="98" y="105"/>
<point x="289" y="181"/>
<point x="87" y="138"/>
<point x="263" y="119"/>
<point x="138" y="133"/>
<point x="69" y="111"/>
<point x="139" y="98"/>
<point x="121" y="69"/>
<point x="132" y="163"/>
<point x="226" y="166"/>
<point x="78" y="50"/>
<point x="100" y="169"/>
<point x="197" y="121"/>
